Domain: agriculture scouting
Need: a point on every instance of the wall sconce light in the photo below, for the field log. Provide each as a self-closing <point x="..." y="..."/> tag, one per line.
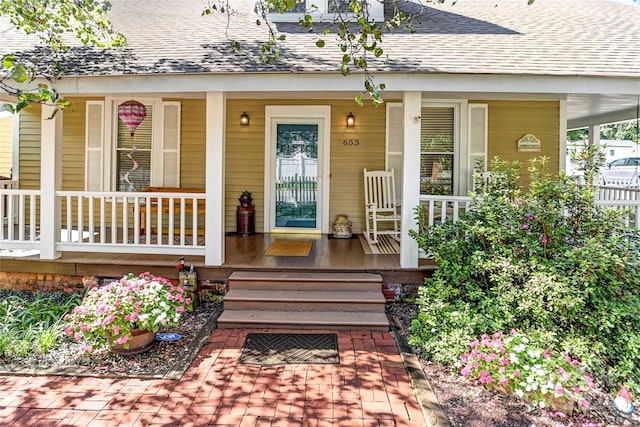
<point x="351" y="120"/>
<point x="244" y="119"/>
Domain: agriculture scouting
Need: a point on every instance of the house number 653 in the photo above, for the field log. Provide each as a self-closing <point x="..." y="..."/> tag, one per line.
<point x="352" y="142"/>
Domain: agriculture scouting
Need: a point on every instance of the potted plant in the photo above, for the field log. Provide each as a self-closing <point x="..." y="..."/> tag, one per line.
<point x="127" y="313"/>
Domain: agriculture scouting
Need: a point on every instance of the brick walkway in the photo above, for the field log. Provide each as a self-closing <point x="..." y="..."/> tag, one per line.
<point x="370" y="387"/>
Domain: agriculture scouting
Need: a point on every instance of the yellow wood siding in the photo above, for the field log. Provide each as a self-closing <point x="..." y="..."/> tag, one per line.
<point x="73" y="146"/>
<point x="511" y="120"/>
<point x="6" y="146"/>
<point x="192" y="143"/>
<point x="29" y="155"/>
<point x="245" y="156"/>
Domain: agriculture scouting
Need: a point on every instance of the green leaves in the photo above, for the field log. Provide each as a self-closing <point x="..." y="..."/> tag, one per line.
<point x="52" y="22"/>
<point x="546" y="261"/>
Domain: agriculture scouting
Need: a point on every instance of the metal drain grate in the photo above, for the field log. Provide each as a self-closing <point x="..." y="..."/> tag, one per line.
<point x="284" y="349"/>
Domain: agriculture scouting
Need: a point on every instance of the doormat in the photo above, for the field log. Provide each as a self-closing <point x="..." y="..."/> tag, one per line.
<point x="284" y="349"/>
<point x="289" y="248"/>
<point x="386" y="245"/>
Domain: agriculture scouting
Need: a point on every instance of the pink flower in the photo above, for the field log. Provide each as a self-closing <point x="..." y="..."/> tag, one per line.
<point x="504" y="381"/>
<point x="516" y="374"/>
<point x="504" y="361"/>
<point x="110" y="318"/>
<point x="179" y="308"/>
<point x="466" y="371"/>
<point x="116" y="329"/>
<point x="577" y="389"/>
<point x="122" y="340"/>
<point x="559" y="390"/>
<point x="463" y="357"/>
<point x="525" y="227"/>
<point x="86" y="349"/>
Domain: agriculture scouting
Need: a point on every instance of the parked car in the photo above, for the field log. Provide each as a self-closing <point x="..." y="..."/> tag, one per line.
<point x="621" y="172"/>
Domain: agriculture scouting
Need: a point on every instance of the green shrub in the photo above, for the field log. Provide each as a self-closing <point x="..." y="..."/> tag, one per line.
<point x="31" y="321"/>
<point x="549" y="263"/>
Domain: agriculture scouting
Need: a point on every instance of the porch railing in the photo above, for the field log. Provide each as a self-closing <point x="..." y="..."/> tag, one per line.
<point x="112" y="221"/>
<point x="20" y="221"/>
<point x="439" y="208"/>
<point x="160" y="223"/>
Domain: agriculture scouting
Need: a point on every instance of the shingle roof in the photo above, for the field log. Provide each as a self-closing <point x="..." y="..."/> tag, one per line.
<point x="550" y="37"/>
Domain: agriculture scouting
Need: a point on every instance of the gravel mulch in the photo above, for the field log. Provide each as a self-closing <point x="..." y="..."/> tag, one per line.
<point x="166" y="360"/>
<point x="466" y="404"/>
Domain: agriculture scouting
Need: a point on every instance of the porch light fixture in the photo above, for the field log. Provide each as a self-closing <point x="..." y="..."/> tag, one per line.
<point x="351" y="120"/>
<point x="244" y="119"/>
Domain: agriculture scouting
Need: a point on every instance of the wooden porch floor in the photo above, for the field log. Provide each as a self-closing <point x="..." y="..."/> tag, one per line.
<point x="242" y="253"/>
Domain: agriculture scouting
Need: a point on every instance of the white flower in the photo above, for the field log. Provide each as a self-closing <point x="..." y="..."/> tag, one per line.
<point x="160" y="318"/>
<point x="513" y="358"/>
<point x="519" y="348"/>
<point x="534" y="354"/>
<point x="519" y="393"/>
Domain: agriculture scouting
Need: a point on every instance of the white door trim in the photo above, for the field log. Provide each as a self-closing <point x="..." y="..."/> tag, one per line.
<point x="279" y="112"/>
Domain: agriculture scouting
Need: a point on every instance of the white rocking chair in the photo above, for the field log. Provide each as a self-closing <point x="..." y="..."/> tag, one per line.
<point x="380" y="205"/>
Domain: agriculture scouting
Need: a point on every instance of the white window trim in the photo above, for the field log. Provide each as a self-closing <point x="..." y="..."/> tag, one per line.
<point x="460" y="139"/>
<point x="485" y="136"/>
<point x="109" y="140"/>
<point x="101" y="147"/>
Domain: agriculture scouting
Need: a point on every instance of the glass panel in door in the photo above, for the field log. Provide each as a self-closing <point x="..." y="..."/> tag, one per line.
<point x="296" y="175"/>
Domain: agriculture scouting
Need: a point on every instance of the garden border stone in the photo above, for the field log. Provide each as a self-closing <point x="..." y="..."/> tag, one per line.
<point x="433" y="413"/>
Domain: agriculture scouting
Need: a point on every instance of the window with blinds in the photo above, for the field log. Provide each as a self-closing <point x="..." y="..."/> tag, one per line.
<point x="339" y="5"/>
<point x="437" y="150"/>
<point x="133" y="154"/>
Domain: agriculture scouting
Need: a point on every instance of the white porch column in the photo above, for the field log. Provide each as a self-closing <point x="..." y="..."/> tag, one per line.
<point x="50" y="181"/>
<point x="594" y="134"/>
<point x="411" y="178"/>
<point x="214" y="179"/>
<point x="563" y="135"/>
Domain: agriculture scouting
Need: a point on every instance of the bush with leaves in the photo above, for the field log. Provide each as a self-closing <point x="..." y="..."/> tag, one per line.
<point x="548" y="262"/>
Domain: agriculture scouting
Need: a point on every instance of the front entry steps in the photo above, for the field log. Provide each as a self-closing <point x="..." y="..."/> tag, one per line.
<point x="300" y="300"/>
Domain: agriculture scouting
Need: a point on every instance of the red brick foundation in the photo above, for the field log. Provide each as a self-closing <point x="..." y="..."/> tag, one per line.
<point x="43" y="282"/>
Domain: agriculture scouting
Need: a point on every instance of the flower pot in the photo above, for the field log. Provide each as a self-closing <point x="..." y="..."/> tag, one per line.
<point x="141" y="340"/>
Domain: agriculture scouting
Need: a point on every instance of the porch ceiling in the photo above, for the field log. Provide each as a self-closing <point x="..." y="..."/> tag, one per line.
<point x="585" y="110"/>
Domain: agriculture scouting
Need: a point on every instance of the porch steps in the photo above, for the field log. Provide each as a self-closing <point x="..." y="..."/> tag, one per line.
<point x="304" y="300"/>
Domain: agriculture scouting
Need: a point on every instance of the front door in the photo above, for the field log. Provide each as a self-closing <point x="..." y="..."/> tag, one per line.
<point x="296" y="184"/>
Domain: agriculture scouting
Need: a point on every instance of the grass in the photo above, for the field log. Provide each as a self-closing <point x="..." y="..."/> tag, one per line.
<point x="32" y="321"/>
